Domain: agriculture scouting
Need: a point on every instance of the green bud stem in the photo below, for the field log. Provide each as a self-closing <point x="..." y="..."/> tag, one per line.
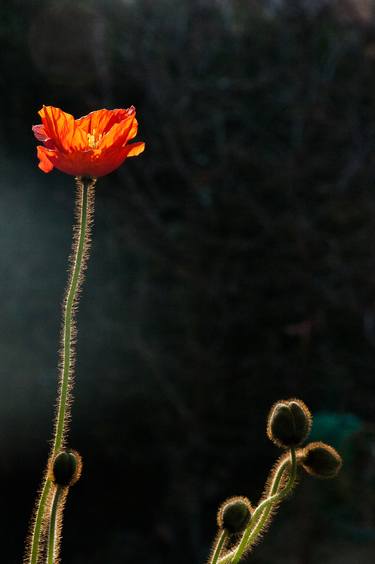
<point x="38" y="528"/>
<point x="54" y="525"/>
<point x="263" y="511"/>
<point x="78" y="261"/>
<point x="222" y="537"/>
<point x="264" y="508"/>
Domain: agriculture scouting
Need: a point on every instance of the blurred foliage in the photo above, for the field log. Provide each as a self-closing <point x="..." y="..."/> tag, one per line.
<point x="335" y="429"/>
<point x="233" y="265"/>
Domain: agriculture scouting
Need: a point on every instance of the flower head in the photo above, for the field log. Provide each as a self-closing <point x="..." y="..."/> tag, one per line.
<point x="93" y="145"/>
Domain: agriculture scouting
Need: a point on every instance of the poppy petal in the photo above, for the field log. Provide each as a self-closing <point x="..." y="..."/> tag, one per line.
<point x="120" y="133"/>
<point x="58" y="125"/>
<point x="44" y="156"/>
<point x="103" y="120"/>
<point x="40" y="133"/>
<point x="135" y="149"/>
<point x="111" y="159"/>
<point x="79" y="141"/>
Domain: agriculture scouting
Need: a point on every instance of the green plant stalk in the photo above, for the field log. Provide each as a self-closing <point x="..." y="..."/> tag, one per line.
<point x="264" y="508"/>
<point x="80" y="250"/>
<point x="53" y="531"/>
<point x="79" y="257"/>
<point x="222" y="537"/>
<point x="38" y="522"/>
<point x="262" y="512"/>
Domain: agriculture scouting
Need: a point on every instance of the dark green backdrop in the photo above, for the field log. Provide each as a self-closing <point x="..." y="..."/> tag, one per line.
<point x="233" y="264"/>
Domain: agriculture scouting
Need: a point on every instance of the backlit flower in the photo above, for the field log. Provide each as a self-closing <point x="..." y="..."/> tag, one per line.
<point x="93" y="145"/>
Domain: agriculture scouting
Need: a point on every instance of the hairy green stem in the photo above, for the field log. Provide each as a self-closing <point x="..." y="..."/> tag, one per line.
<point x="53" y="531"/>
<point x="263" y="511"/>
<point x="78" y="261"/>
<point x="79" y="258"/>
<point x="264" y="508"/>
<point x="38" y="523"/>
<point x="222" y="537"/>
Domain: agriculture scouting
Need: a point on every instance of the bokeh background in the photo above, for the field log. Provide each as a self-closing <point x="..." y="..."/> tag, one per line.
<point x="233" y="264"/>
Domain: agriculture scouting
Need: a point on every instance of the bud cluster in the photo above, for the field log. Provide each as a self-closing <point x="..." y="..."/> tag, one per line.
<point x="288" y="426"/>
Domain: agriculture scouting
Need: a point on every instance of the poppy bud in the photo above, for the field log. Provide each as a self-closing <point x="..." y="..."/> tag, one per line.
<point x="66" y="468"/>
<point x="234" y="514"/>
<point x="320" y="460"/>
<point x="289" y="423"/>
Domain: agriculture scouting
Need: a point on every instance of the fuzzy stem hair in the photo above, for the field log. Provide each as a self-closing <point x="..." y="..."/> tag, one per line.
<point x="218" y="546"/>
<point x="78" y="264"/>
<point x="54" y="531"/>
<point x="84" y="208"/>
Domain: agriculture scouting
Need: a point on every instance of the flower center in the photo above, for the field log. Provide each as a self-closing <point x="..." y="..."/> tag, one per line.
<point x="92" y="140"/>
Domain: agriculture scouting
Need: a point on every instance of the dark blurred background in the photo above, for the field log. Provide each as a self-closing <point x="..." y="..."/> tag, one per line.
<point x="233" y="264"/>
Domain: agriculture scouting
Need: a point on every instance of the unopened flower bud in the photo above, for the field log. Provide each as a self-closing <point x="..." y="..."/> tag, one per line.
<point x="289" y="423"/>
<point x="234" y="514"/>
<point x="66" y="468"/>
<point x="320" y="460"/>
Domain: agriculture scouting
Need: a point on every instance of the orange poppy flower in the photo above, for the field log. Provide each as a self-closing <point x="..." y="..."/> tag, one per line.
<point x="93" y="145"/>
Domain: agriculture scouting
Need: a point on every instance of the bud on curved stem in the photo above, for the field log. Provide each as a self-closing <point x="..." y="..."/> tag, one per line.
<point x="65" y="471"/>
<point x="234" y="514"/>
<point x="264" y="510"/>
<point x="233" y="517"/>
